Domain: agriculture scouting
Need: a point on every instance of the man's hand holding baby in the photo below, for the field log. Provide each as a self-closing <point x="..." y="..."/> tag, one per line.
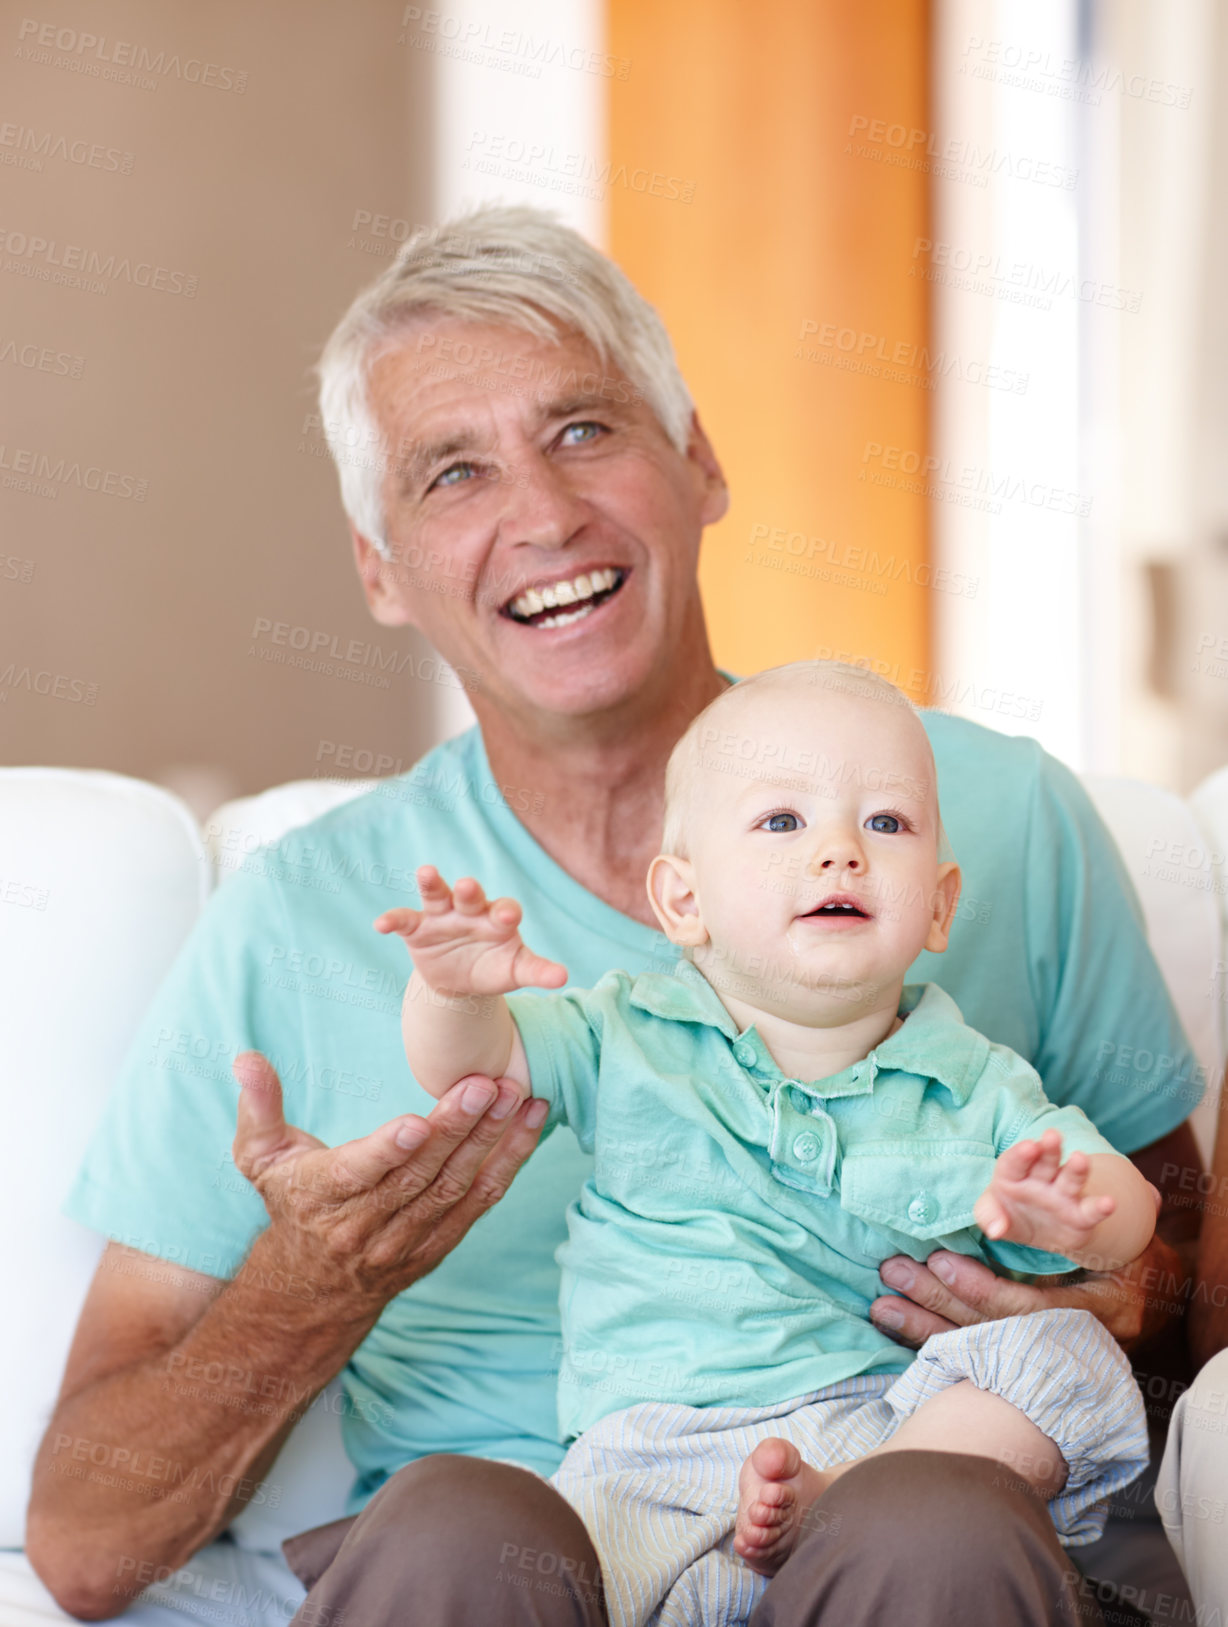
<point x="1097" y="1211"/>
<point x="467" y="952"/>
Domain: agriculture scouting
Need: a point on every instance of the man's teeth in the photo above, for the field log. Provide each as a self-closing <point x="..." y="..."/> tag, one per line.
<point x="578" y="589"/>
<point x="561" y="621"/>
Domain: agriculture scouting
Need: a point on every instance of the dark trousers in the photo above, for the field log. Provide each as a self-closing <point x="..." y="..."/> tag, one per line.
<point x="918" y="1539"/>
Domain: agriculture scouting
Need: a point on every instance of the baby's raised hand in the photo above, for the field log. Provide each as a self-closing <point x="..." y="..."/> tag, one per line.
<point x="1035" y="1199"/>
<point x="460" y="944"/>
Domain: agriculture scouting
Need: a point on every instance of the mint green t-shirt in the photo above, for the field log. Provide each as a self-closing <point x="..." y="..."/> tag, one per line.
<point x="1048" y="956"/>
<point x="725" y="1249"/>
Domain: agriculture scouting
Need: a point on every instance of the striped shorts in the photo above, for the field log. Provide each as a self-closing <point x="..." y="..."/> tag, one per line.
<point x="656" y="1484"/>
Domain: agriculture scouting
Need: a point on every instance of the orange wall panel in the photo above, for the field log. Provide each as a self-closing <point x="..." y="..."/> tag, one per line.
<point x="779" y="253"/>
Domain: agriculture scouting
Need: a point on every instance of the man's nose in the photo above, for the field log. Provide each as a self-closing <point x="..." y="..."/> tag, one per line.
<point x="541" y="509"/>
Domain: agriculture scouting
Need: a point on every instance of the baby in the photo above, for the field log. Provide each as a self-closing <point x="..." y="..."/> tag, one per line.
<point x="769" y="1122"/>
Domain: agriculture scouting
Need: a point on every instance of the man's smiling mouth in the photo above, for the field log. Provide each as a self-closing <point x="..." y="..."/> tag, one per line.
<point x="569" y="600"/>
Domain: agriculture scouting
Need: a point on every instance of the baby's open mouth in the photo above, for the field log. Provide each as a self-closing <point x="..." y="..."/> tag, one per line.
<point x="561" y="602"/>
<point x="836" y="907"/>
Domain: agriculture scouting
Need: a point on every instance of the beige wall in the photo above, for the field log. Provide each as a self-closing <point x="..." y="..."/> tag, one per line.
<point x="254" y="193"/>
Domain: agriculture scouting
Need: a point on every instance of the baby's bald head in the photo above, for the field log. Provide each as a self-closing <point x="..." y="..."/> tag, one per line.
<point x="809" y="721"/>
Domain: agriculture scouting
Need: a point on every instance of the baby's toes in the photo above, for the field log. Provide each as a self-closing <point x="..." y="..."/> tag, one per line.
<point x="767" y="1506"/>
<point x="765" y="1524"/>
<point x="753" y="1539"/>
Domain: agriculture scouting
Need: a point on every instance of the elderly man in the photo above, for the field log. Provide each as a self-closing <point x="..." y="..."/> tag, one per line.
<point x="528" y="484"/>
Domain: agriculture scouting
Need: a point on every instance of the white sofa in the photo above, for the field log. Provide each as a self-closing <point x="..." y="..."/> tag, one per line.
<point x="102" y="877"/>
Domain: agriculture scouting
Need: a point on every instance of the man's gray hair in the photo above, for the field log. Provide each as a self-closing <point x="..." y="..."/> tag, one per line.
<point x="519" y="267"/>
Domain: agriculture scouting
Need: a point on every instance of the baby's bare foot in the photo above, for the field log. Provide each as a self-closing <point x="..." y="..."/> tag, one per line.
<point x="775" y="1489"/>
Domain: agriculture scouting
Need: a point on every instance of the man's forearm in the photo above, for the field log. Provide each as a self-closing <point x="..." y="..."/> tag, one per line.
<point x="1164" y="1273"/>
<point x="1153" y="1289"/>
<point x="145" y="1465"/>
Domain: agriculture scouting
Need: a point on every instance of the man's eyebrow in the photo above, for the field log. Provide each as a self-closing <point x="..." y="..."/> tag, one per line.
<point x="564" y="406"/>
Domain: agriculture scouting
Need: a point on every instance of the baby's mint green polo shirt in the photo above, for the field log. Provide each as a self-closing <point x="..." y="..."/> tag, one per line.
<point x="1048" y="956"/>
<point x="725" y="1249"/>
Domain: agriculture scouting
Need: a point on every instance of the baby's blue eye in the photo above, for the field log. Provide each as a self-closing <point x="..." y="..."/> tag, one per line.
<point x="884" y="824"/>
<point x="772" y="822"/>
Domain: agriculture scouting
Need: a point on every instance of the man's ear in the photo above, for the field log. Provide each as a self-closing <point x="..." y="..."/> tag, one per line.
<point x="671" y="892"/>
<point x="379" y="576"/>
<point x="946" y="902"/>
<point x="709" y="472"/>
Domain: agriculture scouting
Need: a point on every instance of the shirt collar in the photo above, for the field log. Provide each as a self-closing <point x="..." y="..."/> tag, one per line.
<point x="934" y="1042"/>
<point x="685" y="995"/>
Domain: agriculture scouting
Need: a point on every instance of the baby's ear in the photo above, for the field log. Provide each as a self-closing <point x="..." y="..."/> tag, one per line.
<point x="671" y="892"/>
<point x="946" y="902"/>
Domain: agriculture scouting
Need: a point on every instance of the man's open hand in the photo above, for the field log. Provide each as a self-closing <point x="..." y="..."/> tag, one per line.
<point x="461" y="944"/>
<point x="374" y="1215"/>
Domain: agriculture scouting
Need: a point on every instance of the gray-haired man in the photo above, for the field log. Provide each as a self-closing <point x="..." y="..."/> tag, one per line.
<point x="528" y="484"/>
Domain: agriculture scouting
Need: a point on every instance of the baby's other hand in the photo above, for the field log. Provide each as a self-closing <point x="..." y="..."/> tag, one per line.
<point x="1035" y="1199"/>
<point x="461" y="944"/>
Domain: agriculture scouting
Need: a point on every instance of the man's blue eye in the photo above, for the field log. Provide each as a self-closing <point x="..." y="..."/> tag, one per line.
<point x="594" y="428"/>
<point x="445" y="479"/>
<point x="772" y="822"/>
<point x="884" y="824"/>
